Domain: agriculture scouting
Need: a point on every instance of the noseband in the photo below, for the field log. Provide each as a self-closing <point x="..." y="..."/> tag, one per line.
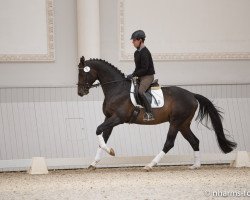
<point x="86" y="83"/>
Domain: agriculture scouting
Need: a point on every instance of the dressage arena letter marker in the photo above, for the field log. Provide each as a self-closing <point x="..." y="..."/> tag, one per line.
<point x="241" y="160"/>
<point x="38" y="166"/>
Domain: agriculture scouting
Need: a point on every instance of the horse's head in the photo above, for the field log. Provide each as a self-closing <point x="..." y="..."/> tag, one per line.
<point x="86" y="77"/>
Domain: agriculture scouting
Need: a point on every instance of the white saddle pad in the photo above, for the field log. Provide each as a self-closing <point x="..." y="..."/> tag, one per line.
<point x="157" y="99"/>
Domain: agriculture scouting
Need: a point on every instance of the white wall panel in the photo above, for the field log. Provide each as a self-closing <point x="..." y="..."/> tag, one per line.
<point x="181" y="72"/>
<point x="189" y="30"/>
<point x="61" y="72"/>
<point x="56" y="123"/>
<point x="27" y="31"/>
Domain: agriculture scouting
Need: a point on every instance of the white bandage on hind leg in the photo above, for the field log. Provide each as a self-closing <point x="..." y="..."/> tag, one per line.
<point x="197" y="161"/>
<point x="157" y="159"/>
<point x="103" y="144"/>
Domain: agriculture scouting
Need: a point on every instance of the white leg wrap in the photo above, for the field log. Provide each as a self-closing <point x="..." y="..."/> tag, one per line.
<point x="197" y="161"/>
<point x="94" y="163"/>
<point x="98" y="156"/>
<point x="103" y="144"/>
<point x="157" y="159"/>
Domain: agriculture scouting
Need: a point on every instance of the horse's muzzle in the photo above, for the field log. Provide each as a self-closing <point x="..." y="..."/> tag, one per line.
<point x="82" y="92"/>
<point x="85" y="92"/>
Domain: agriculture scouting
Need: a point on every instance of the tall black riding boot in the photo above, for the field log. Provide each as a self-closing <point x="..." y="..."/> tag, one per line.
<point x="148" y="114"/>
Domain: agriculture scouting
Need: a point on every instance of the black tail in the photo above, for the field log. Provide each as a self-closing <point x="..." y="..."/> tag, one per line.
<point x="208" y="109"/>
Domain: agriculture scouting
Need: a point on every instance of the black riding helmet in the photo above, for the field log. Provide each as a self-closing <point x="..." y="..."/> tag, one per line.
<point x="139" y="34"/>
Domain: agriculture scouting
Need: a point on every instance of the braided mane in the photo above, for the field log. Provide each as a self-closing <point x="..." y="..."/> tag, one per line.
<point x="109" y="64"/>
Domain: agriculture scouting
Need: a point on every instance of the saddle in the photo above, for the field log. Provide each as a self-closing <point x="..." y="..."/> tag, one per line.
<point x="154" y="94"/>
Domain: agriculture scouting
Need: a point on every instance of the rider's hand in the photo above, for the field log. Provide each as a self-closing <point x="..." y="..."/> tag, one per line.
<point x="130" y="76"/>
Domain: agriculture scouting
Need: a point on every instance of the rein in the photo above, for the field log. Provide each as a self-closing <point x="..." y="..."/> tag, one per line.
<point x="98" y="84"/>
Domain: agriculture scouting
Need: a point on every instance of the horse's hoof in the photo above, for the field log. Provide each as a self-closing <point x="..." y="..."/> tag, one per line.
<point x="112" y="152"/>
<point x="91" y="167"/>
<point x="147" y="168"/>
<point x="194" y="167"/>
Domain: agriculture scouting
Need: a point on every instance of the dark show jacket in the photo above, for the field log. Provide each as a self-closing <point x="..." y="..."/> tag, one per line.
<point x="143" y="63"/>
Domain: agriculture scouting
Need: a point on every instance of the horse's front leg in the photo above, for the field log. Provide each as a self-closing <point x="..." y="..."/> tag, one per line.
<point x="109" y="123"/>
<point x="99" y="151"/>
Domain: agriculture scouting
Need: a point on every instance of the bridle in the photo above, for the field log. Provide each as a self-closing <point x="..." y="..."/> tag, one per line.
<point x="87" y="86"/>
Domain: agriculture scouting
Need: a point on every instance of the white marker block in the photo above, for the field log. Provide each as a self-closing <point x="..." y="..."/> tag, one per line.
<point x="38" y="166"/>
<point x="241" y="160"/>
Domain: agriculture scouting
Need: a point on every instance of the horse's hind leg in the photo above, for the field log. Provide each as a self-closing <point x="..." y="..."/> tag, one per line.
<point x="99" y="151"/>
<point x="172" y="132"/>
<point x="194" y="142"/>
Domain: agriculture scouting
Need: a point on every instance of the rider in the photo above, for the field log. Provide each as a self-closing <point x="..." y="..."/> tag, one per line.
<point x="144" y="69"/>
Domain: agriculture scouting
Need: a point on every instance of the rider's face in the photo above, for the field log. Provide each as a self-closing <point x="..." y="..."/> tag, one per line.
<point x="136" y="43"/>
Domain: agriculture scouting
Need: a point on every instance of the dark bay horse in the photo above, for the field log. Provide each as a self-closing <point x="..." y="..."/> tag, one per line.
<point x="179" y="109"/>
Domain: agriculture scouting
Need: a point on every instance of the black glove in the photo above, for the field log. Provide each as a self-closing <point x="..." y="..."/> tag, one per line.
<point x="130" y="76"/>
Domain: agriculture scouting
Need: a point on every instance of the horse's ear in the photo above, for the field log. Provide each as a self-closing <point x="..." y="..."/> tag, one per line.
<point x="82" y="60"/>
